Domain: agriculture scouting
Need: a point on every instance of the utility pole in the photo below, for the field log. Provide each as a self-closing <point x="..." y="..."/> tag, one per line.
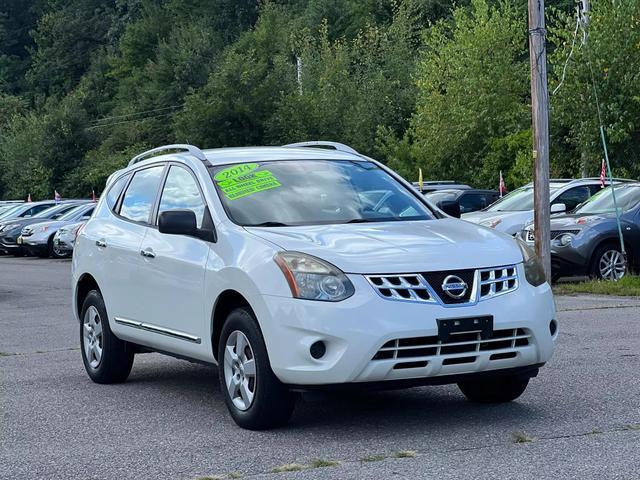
<point x="540" y="117"/>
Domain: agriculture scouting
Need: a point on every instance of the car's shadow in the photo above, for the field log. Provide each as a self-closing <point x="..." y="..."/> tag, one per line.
<point x="352" y="413"/>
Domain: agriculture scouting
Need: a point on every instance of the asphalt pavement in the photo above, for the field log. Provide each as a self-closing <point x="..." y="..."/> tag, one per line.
<point x="580" y="418"/>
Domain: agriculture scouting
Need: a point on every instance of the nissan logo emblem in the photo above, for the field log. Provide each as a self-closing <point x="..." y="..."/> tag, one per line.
<point x="455" y="287"/>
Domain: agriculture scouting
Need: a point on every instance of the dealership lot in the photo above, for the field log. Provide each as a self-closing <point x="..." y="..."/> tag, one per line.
<point x="579" y="418"/>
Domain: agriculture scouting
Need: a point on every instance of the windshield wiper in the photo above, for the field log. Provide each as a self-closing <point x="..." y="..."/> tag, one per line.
<point x="268" y="224"/>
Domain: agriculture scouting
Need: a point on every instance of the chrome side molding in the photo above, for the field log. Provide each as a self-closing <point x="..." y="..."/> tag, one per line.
<point x="157" y="329"/>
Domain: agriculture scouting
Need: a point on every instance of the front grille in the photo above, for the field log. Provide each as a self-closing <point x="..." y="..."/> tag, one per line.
<point x="420" y="350"/>
<point x="401" y="287"/>
<point x="436" y="279"/>
<point x="427" y="287"/>
<point x="497" y="281"/>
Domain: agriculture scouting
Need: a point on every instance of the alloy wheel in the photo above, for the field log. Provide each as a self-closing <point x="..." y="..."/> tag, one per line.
<point x="92" y="337"/>
<point x="612" y="265"/>
<point x="239" y="370"/>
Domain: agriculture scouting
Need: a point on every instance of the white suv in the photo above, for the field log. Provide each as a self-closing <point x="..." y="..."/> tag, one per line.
<point x="296" y="268"/>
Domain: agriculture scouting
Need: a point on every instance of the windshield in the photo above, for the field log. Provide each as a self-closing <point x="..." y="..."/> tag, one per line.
<point x="308" y="192"/>
<point x="517" y="201"/>
<point x="71" y="214"/>
<point x="436" y="197"/>
<point x="627" y="197"/>
<point x="51" y="211"/>
<point x="10" y="211"/>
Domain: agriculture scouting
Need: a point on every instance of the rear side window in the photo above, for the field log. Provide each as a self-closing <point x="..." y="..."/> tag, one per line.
<point x="116" y="189"/>
<point x="138" y="200"/>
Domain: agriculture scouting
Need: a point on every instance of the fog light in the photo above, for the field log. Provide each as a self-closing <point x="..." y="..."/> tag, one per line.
<point x="318" y="349"/>
<point x="553" y="327"/>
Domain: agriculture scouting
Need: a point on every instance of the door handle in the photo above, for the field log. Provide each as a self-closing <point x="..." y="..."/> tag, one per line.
<point x="147" y="253"/>
<point x="101" y="243"/>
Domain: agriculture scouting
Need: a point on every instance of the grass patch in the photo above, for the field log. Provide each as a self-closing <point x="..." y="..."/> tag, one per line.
<point x="521" y="437"/>
<point x="373" y="458"/>
<point x="628" y="286"/>
<point x="632" y="426"/>
<point x="235" y="475"/>
<point x="405" y="454"/>
<point x="320" y="463"/>
<point x="211" y="477"/>
<point x="289" y="467"/>
<point x="595" y="431"/>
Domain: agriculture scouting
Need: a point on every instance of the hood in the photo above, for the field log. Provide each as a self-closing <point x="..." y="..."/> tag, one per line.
<point x="21" y="222"/>
<point x="52" y="225"/>
<point x="579" y="222"/>
<point x="398" y="247"/>
<point x="508" y="222"/>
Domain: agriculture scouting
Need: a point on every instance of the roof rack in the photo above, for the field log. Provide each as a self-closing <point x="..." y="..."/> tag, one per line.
<point x="195" y="151"/>
<point x="341" y="147"/>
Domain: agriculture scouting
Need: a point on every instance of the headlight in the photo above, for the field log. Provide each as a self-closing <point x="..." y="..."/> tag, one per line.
<point x="565" y="239"/>
<point x="491" y="223"/>
<point x="313" y="279"/>
<point x="533" y="270"/>
<point x="10" y="226"/>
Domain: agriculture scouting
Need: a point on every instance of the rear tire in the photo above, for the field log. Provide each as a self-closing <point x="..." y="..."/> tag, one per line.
<point x="256" y="399"/>
<point x="494" y="390"/>
<point x="106" y="358"/>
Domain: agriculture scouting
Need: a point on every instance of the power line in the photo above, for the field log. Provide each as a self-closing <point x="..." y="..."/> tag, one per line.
<point x="99" y="120"/>
<point x="93" y="127"/>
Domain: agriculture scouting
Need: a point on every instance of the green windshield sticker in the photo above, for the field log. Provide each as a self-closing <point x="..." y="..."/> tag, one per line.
<point x="242" y="180"/>
<point x="235" y="171"/>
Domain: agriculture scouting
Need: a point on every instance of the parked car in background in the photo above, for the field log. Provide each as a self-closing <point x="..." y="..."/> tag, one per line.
<point x="470" y="199"/>
<point x="64" y="239"/>
<point x="434" y="185"/>
<point x="512" y="212"/>
<point x="10" y="229"/>
<point x="37" y="238"/>
<point x="26" y="210"/>
<point x="586" y="242"/>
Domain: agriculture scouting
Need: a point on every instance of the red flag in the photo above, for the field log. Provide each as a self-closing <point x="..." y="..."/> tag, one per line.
<point x="93" y="196"/>
<point x="503" y="188"/>
<point x="29" y="198"/>
<point x="603" y="173"/>
<point x="56" y="196"/>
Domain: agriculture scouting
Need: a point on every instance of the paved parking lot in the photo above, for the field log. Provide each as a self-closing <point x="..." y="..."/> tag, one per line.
<point x="579" y="419"/>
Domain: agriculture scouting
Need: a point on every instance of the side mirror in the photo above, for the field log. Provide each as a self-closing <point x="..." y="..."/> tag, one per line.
<point x="183" y="222"/>
<point x="558" y="208"/>
<point x="178" y="222"/>
<point x="450" y="207"/>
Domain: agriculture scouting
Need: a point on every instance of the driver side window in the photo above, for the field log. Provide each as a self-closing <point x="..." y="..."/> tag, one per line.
<point x="181" y="192"/>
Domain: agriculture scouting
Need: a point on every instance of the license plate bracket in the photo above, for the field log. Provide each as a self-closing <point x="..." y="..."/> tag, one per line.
<point x="482" y="324"/>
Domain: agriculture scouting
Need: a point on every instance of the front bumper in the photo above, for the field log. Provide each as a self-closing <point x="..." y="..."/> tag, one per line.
<point x="8" y="244"/>
<point x="356" y="329"/>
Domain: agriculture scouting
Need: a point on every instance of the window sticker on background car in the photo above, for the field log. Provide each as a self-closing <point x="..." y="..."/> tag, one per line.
<point x="245" y="179"/>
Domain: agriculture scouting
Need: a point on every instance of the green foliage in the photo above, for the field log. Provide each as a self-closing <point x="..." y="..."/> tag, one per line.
<point x="472" y="115"/>
<point x="613" y="51"/>
<point x="432" y="84"/>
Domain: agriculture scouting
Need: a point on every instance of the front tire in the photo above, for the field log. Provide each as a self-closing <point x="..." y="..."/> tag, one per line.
<point x="106" y="358"/>
<point x="494" y="390"/>
<point x="608" y="263"/>
<point x="256" y="399"/>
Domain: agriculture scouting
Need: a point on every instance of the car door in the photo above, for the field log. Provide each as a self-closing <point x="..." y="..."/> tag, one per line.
<point x="117" y="241"/>
<point x="174" y="270"/>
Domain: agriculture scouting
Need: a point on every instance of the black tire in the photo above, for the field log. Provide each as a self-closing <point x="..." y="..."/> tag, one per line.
<point x="116" y="359"/>
<point x="594" y="267"/>
<point x="273" y="403"/>
<point x="52" y="250"/>
<point x="494" y="390"/>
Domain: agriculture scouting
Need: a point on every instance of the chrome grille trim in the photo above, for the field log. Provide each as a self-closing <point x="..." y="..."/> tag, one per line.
<point x="499" y="281"/>
<point x="414" y="287"/>
<point x="515" y="338"/>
